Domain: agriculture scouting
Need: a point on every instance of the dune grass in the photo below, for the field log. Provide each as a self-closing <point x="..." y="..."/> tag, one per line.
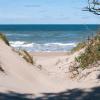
<point x="91" y="54"/>
<point x="27" y="57"/>
<point x="3" y="37"/>
<point x="22" y="53"/>
<point x="1" y="69"/>
<point x="79" y="46"/>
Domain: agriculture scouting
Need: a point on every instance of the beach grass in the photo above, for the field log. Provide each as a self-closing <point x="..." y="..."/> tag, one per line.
<point x="23" y="53"/>
<point x="91" y="54"/>
<point x="27" y="57"/>
<point x="79" y="46"/>
<point x="3" y="37"/>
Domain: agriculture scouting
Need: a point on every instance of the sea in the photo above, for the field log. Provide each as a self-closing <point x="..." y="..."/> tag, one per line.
<point x="37" y="38"/>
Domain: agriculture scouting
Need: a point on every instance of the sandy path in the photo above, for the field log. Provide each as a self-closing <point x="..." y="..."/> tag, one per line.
<point x="48" y="75"/>
<point x="23" y="77"/>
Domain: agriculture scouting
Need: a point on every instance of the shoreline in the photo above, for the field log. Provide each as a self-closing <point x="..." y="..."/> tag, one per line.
<point x="51" y="53"/>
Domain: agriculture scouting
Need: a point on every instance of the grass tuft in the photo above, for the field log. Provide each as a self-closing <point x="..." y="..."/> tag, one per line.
<point x="3" y="37"/>
<point x="79" y="47"/>
<point x="91" y="54"/>
<point x="24" y="54"/>
<point x="1" y="69"/>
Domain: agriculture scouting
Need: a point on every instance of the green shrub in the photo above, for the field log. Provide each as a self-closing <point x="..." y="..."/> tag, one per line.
<point x="3" y="37"/>
<point x="91" y="54"/>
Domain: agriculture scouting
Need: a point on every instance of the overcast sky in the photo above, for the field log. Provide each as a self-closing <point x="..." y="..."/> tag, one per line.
<point x="45" y="12"/>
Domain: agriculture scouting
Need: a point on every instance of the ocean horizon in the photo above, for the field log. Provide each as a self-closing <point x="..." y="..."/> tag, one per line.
<point x="48" y="37"/>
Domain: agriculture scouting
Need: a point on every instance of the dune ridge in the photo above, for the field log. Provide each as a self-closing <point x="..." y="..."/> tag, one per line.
<point x="50" y="73"/>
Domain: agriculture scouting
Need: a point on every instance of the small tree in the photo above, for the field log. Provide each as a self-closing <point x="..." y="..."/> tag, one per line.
<point x="93" y="6"/>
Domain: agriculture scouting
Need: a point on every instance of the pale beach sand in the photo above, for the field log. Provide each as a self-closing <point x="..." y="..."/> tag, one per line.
<point x="48" y="75"/>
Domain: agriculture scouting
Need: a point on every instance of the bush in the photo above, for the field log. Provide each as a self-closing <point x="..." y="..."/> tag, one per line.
<point x="91" y="54"/>
<point x="3" y="37"/>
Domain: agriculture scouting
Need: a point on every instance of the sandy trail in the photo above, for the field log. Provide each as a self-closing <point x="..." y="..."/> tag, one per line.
<point x="23" y="77"/>
<point x="48" y="75"/>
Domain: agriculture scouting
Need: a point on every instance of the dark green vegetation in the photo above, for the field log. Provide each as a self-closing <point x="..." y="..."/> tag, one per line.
<point x="3" y="37"/>
<point x="91" y="54"/>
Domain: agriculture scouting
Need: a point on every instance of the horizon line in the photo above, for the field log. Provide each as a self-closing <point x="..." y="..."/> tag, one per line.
<point x="49" y="24"/>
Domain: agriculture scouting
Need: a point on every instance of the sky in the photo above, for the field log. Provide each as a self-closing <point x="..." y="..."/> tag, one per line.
<point x="46" y="12"/>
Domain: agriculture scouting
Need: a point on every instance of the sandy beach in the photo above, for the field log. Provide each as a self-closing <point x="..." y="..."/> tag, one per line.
<point x="49" y="50"/>
<point x="49" y="74"/>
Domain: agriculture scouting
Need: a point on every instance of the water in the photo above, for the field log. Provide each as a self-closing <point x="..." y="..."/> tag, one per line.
<point x="47" y="37"/>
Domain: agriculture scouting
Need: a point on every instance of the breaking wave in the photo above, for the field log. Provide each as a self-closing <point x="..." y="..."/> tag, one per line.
<point x="43" y="47"/>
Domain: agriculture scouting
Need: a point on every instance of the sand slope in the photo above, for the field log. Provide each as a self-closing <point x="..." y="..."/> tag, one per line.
<point x="49" y="74"/>
<point x="19" y="75"/>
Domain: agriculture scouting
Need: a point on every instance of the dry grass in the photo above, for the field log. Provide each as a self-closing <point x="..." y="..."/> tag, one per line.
<point x="3" y="37"/>
<point x="24" y="54"/>
<point x="89" y="59"/>
<point x="79" y="46"/>
<point x="91" y="54"/>
<point x="1" y="69"/>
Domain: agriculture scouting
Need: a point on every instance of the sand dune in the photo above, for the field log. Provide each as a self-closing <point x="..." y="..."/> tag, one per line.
<point x="49" y="74"/>
<point x="19" y="74"/>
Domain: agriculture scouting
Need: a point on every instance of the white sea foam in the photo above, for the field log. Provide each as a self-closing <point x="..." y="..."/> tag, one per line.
<point x="43" y="47"/>
<point x="18" y="35"/>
